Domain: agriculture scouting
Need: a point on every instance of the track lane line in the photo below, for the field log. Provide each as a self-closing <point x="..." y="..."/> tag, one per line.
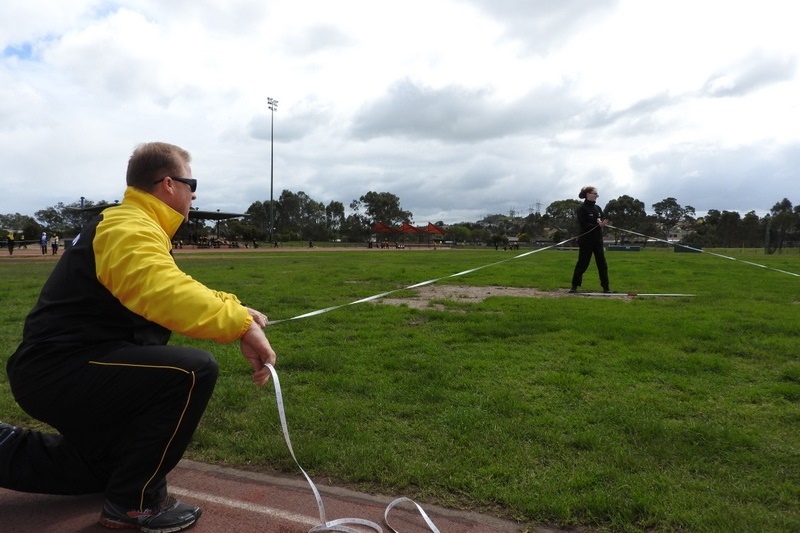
<point x="245" y="506"/>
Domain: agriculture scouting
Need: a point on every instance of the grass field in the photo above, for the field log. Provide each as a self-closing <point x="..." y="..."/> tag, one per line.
<point x="616" y="414"/>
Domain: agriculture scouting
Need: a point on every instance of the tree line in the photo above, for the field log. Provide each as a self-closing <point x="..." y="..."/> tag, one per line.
<point x="296" y="216"/>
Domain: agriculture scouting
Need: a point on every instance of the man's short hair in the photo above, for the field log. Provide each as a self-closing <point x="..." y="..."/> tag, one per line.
<point x="153" y="161"/>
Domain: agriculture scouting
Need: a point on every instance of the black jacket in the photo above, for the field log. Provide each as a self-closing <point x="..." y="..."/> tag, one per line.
<point x="587" y="215"/>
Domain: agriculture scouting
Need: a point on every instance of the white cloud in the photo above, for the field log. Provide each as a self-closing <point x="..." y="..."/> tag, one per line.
<point x="755" y="72"/>
<point x="460" y="108"/>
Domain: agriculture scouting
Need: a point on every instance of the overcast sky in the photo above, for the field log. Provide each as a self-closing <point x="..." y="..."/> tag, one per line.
<point x="461" y="108"/>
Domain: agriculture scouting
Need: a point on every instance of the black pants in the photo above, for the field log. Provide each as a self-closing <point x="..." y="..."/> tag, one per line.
<point x="585" y="251"/>
<point x="125" y="418"/>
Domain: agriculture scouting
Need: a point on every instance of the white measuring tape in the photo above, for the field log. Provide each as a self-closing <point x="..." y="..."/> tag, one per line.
<point x="341" y="525"/>
<point x="706" y="252"/>
<point x="415" y="286"/>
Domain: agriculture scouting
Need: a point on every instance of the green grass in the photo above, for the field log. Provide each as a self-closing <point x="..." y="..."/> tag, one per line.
<point x="646" y="414"/>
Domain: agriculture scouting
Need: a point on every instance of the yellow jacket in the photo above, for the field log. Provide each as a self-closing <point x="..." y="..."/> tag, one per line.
<point x="118" y="282"/>
<point x="133" y="261"/>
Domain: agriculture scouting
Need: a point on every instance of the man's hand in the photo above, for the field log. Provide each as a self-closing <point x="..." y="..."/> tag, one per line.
<point x="259" y="317"/>
<point x="256" y="349"/>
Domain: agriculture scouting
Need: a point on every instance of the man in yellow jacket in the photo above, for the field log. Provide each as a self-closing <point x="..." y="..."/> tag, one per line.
<point x="95" y="365"/>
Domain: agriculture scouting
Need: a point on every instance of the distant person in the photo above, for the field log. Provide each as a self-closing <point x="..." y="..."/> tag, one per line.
<point x="590" y="241"/>
<point x="10" y="243"/>
<point x="54" y="244"/>
<point x="43" y="243"/>
<point x="95" y="365"/>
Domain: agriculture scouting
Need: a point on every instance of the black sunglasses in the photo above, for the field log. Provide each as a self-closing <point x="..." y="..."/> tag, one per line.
<point x="191" y="182"/>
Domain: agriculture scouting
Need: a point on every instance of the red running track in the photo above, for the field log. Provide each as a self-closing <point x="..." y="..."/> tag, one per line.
<point x="235" y="501"/>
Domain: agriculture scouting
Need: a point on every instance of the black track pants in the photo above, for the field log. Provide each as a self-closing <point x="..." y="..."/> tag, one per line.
<point x="125" y="418"/>
<point x="585" y="251"/>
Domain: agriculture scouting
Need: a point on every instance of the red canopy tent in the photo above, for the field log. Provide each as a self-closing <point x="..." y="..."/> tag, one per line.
<point x="434" y="229"/>
<point x="380" y="227"/>
<point x="408" y="228"/>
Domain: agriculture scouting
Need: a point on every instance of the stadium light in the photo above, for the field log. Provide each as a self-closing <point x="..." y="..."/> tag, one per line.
<point x="273" y="106"/>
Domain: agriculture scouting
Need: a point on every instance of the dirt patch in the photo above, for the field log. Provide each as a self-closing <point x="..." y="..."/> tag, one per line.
<point x="424" y="297"/>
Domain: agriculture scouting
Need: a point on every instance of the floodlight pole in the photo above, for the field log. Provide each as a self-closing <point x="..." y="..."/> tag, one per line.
<point x="273" y="106"/>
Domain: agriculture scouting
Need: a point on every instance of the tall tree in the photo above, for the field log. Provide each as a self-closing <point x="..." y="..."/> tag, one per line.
<point x="625" y="212"/>
<point x="729" y="230"/>
<point x="313" y="221"/>
<point x="752" y="233"/>
<point x="354" y="228"/>
<point x="669" y="212"/>
<point x="796" y="223"/>
<point x="384" y="207"/>
<point x="334" y="218"/>
<point x="534" y="226"/>
<point x="782" y="222"/>
<point x="706" y="228"/>
<point x="290" y="212"/>
<point x="51" y="218"/>
<point x="66" y="219"/>
<point x="258" y="217"/>
<point x="561" y="215"/>
<point x="243" y="231"/>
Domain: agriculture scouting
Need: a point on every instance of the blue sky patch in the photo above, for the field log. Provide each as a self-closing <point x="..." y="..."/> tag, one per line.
<point x="22" y="51"/>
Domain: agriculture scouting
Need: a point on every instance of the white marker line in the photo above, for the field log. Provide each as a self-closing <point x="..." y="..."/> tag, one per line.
<point x="253" y="508"/>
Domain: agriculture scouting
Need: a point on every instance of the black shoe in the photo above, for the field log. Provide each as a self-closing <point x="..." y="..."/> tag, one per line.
<point x="169" y="517"/>
<point x="573" y="290"/>
<point x="608" y="291"/>
<point x="7" y="432"/>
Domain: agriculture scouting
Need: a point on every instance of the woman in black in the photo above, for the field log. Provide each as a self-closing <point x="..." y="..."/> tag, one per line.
<point x="590" y="241"/>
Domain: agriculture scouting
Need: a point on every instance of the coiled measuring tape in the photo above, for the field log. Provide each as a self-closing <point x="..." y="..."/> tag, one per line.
<point x="342" y="525"/>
